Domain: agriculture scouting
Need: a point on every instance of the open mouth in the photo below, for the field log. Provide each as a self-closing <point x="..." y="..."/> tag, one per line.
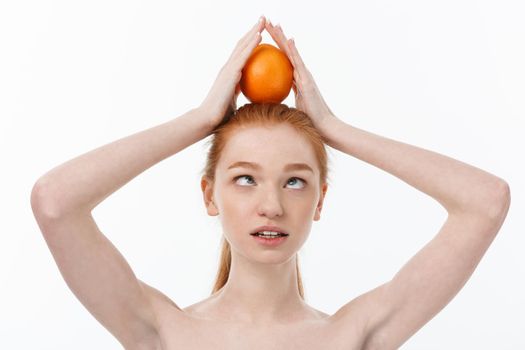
<point x="269" y="240"/>
<point x="269" y="236"/>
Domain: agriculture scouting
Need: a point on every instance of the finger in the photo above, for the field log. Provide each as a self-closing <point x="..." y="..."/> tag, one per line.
<point x="258" y="27"/>
<point x="240" y="55"/>
<point x="273" y="33"/>
<point x="237" y="89"/>
<point x="247" y="38"/>
<point x="296" y="57"/>
<point x="247" y="51"/>
<point x="278" y="36"/>
<point x="296" y="72"/>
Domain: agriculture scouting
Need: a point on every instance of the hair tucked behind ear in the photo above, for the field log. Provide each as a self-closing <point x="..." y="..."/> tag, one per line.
<point x="261" y="114"/>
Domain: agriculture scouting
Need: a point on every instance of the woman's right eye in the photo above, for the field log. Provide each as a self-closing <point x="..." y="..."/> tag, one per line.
<point x="242" y="176"/>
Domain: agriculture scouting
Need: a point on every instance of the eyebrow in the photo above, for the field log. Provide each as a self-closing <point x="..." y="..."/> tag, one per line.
<point x="291" y="166"/>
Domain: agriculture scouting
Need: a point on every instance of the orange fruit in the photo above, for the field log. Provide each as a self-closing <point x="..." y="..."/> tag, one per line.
<point x="267" y="75"/>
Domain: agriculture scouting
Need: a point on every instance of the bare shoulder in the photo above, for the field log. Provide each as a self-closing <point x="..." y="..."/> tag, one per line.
<point x="160" y="302"/>
<point x="394" y="311"/>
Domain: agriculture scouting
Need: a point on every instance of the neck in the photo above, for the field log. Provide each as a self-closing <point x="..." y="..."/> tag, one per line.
<point x="260" y="293"/>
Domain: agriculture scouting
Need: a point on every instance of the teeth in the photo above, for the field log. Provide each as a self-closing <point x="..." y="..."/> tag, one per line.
<point x="269" y="233"/>
<point x="273" y="233"/>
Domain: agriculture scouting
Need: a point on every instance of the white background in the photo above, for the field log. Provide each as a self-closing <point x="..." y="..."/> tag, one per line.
<point x="446" y="76"/>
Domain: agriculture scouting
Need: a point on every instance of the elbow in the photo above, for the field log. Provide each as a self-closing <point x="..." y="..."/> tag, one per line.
<point x="497" y="202"/>
<point x="499" y="207"/>
<point x="42" y="205"/>
<point x="491" y="206"/>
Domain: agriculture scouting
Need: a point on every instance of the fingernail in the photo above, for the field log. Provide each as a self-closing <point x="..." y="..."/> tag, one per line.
<point x="261" y="18"/>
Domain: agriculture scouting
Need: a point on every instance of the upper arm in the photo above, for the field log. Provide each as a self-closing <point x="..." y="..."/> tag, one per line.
<point x="101" y="278"/>
<point x="397" y="309"/>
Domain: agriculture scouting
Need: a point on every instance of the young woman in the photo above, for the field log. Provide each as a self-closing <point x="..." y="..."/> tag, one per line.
<point x="265" y="173"/>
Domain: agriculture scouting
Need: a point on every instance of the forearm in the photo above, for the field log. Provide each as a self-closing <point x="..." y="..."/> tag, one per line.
<point x="82" y="183"/>
<point x="457" y="186"/>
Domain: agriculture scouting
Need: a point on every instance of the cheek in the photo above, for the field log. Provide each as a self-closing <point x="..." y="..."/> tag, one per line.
<point x="230" y="198"/>
<point x="235" y="210"/>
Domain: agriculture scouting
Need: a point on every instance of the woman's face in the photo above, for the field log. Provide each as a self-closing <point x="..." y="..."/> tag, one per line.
<point x="247" y="197"/>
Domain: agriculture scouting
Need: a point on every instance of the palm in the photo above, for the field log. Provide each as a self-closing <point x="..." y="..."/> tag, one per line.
<point x="308" y="99"/>
<point x="299" y="101"/>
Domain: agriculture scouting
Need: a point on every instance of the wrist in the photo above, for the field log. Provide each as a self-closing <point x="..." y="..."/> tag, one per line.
<point x="203" y="117"/>
<point x="331" y="125"/>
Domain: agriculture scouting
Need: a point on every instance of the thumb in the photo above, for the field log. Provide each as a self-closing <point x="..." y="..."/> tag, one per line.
<point x="237" y="89"/>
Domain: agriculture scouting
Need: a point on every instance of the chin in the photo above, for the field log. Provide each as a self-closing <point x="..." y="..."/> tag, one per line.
<point x="272" y="257"/>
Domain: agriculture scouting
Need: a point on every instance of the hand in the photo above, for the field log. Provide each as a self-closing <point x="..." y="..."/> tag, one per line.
<point x="221" y="100"/>
<point x="307" y="96"/>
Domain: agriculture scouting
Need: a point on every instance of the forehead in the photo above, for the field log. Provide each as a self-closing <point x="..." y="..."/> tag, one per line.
<point x="268" y="146"/>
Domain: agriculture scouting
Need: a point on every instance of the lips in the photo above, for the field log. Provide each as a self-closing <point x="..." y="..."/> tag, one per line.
<point x="270" y="242"/>
<point x="270" y="228"/>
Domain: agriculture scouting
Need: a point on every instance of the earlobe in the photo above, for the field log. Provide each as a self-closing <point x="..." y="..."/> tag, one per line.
<point x="317" y="215"/>
<point x="318" y="209"/>
<point x="212" y="210"/>
<point x="215" y="207"/>
<point x="207" y="192"/>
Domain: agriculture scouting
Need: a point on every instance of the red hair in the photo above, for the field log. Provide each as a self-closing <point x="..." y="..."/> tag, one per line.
<point x="261" y="114"/>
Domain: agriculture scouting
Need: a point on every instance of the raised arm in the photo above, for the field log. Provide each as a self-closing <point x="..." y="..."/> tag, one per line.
<point x="80" y="184"/>
<point x="93" y="268"/>
<point x="63" y="199"/>
<point x="477" y="203"/>
<point x="83" y="182"/>
<point x="460" y="188"/>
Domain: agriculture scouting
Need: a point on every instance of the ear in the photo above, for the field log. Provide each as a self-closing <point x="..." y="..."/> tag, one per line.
<point x="317" y="215"/>
<point x="207" y="193"/>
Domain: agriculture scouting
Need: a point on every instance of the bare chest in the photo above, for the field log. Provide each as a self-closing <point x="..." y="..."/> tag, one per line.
<point x="180" y="331"/>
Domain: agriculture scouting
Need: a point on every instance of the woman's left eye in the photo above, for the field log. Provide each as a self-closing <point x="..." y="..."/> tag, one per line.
<point x="296" y="178"/>
<point x="248" y="176"/>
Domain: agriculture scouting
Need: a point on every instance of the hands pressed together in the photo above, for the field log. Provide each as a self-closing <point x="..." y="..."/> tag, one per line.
<point x="222" y="97"/>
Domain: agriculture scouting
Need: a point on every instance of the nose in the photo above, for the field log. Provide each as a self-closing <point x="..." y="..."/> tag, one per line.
<point x="270" y="205"/>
